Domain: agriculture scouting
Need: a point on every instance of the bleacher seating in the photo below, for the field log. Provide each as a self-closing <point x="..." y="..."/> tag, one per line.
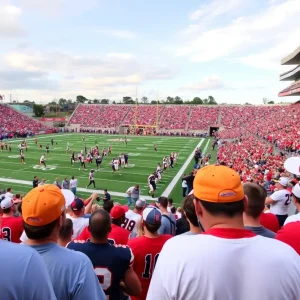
<point x="202" y="117"/>
<point x="174" y="117"/>
<point x="104" y="116"/>
<point x="12" y="121"/>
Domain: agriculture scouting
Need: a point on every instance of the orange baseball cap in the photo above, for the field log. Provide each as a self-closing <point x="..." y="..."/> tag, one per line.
<point x="219" y="184"/>
<point x="43" y="205"/>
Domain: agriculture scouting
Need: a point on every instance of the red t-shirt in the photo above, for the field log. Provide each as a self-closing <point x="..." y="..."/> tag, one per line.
<point x="269" y="221"/>
<point x="290" y="234"/>
<point x="118" y="234"/>
<point x="11" y="229"/>
<point x="146" y="251"/>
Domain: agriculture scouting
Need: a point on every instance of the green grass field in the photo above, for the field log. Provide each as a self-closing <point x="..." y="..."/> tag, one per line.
<point x="142" y="161"/>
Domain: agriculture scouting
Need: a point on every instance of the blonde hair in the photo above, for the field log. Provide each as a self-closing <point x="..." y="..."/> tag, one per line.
<point x="140" y="228"/>
<point x="95" y="207"/>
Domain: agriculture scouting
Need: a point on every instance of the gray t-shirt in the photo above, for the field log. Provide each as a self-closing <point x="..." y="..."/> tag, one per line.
<point x="71" y="272"/>
<point x="261" y="231"/>
<point x="168" y="224"/>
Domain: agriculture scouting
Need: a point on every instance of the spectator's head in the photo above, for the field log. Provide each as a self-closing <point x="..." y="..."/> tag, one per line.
<point x="256" y="200"/>
<point x="95" y="207"/>
<point x="9" y="190"/>
<point x="282" y="183"/>
<point x="170" y="202"/>
<point x="43" y="212"/>
<point x="7" y="206"/>
<point x="296" y="194"/>
<point x="140" y="205"/>
<point x="136" y="187"/>
<point x="73" y="177"/>
<point x="117" y="214"/>
<point x="77" y="207"/>
<point x="189" y="210"/>
<point x="108" y="205"/>
<point x="219" y="196"/>
<point x="100" y="225"/>
<point x="151" y="219"/>
<point x="35" y="178"/>
<point x="105" y="191"/>
<point x="173" y="210"/>
<point x="162" y="202"/>
<point x="65" y="233"/>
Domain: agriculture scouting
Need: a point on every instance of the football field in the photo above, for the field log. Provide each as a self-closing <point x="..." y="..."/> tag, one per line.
<point x="142" y="162"/>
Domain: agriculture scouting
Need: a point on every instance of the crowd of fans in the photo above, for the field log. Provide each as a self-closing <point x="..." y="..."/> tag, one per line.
<point x="13" y="123"/>
<point x="96" y="248"/>
<point x="203" y="117"/>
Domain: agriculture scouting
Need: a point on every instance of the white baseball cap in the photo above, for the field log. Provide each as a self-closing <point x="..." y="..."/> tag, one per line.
<point x="296" y="190"/>
<point x="283" y="181"/>
<point x="69" y="196"/>
<point x="7" y="203"/>
<point x="292" y="165"/>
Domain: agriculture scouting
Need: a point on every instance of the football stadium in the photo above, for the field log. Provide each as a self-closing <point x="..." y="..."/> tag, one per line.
<point x="127" y="198"/>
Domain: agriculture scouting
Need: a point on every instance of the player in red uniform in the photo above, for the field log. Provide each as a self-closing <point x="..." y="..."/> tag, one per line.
<point x="11" y="227"/>
<point x="118" y="234"/>
<point x="146" y="248"/>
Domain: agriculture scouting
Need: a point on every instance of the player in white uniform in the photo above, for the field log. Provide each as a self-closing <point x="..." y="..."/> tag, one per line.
<point x="115" y="165"/>
<point x="68" y="147"/>
<point x="280" y="200"/>
<point x="122" y="161"/>
<point x="43" y="160"/>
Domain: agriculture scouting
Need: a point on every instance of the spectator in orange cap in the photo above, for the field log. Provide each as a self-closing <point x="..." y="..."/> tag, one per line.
<point x="225" y="256"/>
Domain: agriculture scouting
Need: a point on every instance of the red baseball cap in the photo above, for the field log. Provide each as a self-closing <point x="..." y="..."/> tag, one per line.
<point x="117" y="212"/>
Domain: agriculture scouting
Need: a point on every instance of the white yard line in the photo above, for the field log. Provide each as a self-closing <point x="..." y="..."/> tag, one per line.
<point x="24" y="182"/>
<point x="172" y="184"/>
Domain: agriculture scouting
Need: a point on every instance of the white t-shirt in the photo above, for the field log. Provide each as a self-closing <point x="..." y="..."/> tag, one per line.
<point x="42" y="159"/>
<point x="283" y="200"/>
<point x="8" y="195"/>
<point x="207" y="267"/>
<point x="131" y="222"/>
<point x="73" y="183"/>
<point x="78" y="225"/>
<point x="293" y="218"/>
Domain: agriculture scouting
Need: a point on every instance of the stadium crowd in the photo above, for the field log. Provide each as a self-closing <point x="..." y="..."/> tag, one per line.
<point x="13" y="123"/>
<point x="96" y="248"/>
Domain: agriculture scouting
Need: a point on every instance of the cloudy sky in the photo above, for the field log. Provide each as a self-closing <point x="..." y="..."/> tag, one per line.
<point x="230" y="49"/>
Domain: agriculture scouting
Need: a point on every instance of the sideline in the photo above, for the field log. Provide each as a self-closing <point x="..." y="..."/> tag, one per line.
<point x="174" y="181"/>
<point x="25" y="182"/>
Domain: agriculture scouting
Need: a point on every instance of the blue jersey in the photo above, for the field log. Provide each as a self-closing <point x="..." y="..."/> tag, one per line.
<point x="110" y="264"/>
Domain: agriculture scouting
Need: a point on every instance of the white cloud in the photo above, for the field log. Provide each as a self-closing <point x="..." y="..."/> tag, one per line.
<point x="213" y="82"/>
<point x="216" y="8"/>
<point x="266" y="30"/>
<point x="10" y="23"/>
<point x="121" y="34"/>
<point x="122" y="56"/>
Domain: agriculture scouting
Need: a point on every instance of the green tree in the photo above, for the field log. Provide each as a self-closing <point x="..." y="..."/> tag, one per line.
<point x="114" y="102"/>
<point x="212" y="101"/>
<point x="197" y="100"/>
<point x="80" y="99"/>
<point x="178" y="100"/>
<point x="170" y="100"/>
<point x="144" y="100"/>
<point x="128" y="100"/>
<point x="96" y="101"/>
<point x="104" y="101"/>
<point x="205" y="101"/>
<point x="154" y="102"/>
<point x="38" y="110"/>
<point x="271" y="102"/>
<point x="62" y="102"/>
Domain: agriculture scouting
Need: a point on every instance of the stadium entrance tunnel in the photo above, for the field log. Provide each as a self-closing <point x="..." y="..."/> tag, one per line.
<point x="212" y="130"/>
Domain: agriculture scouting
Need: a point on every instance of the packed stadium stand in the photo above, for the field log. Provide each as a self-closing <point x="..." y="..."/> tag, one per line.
<point x="174" y="117"/>
<point x="291" y="75"/>
<point x="12" y="121"/>
<point x="203" y="117"/>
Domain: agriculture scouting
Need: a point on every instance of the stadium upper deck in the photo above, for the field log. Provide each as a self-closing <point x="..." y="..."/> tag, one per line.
<point x="291" y="75"/>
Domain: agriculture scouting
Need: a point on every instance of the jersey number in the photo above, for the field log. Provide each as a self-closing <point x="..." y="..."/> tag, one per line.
<point x="104" y="277"/>
<point x="148" y="262"/>
<point x="6" y="234"/>
<point x="288" y="199"/>
<point x="129" y="225"/>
